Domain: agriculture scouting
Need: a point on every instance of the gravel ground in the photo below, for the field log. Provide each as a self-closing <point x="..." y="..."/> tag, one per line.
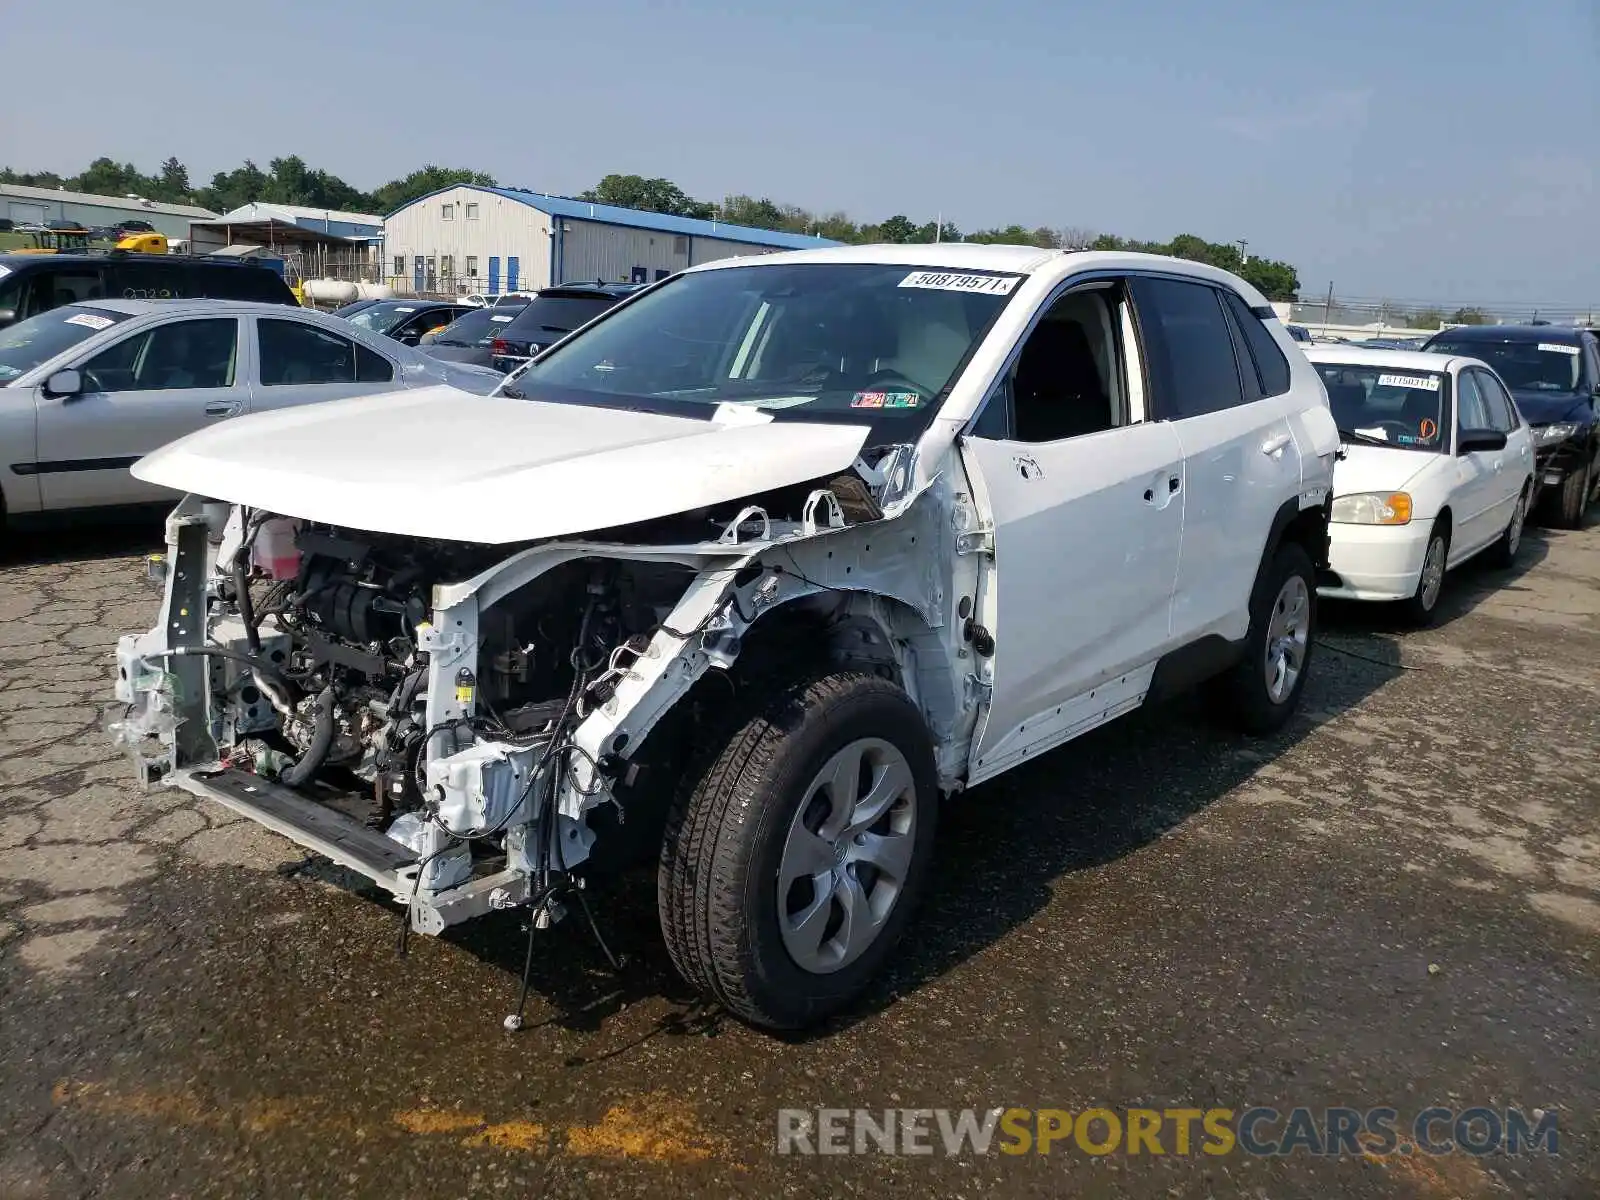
<point x="1394" y="903"/>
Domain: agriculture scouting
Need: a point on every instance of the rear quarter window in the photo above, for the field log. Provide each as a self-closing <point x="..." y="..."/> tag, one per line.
<point x="1272" y="368"/>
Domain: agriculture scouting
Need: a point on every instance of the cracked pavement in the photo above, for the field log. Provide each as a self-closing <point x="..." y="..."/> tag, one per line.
<point x="1395" y="902"/>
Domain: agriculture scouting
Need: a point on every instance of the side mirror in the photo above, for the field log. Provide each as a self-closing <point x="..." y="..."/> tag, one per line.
<point x="408" y="339"/>
<point x="1480" y="439"/>
<point x="68" y="382"/>
<point x="8" y="316"/>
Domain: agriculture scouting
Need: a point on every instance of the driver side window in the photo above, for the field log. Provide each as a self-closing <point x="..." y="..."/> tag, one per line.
<point x="181" y="354"/>
<point x="1470" y="404"/>
<point x="1067" y="381"/>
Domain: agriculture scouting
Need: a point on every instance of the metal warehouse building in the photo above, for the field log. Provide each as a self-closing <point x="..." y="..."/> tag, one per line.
<point x="36" y="205"/>
<point x="482" y="239"/>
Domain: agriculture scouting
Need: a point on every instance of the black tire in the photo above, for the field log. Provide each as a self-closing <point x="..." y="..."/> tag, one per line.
<point x="1572" y="501"/>
<point x="1503" y="553"/>
<point x="1420" y="610"/>
<point x="1251" y="703"/>
<point x="717" y="888"/>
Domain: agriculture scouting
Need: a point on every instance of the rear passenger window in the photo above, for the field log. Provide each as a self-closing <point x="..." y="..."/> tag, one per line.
<point x="372" y="367"/>
<point x="1272" y="368"/>
<point x="293" y="352"/>
<point x="1189" y="348"/>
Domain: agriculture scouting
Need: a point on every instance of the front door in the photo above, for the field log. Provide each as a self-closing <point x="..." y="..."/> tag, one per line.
<point x="513" y="273"/>
<point x="494" y="275"/>
<point x="152" y="387"/>
<point x="1085" y="499"/>
<point x="1479" y="474"/>
<point x="1516" y="460"/>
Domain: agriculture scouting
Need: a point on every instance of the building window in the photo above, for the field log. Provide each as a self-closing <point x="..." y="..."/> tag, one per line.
<point x="472" y="211"/>
<point x="472" y="261"/>
<point x="399" y="264"/>
<point x="680" y="245"/>
<point x="448" y="212"/>
<point x="447" y="265"/>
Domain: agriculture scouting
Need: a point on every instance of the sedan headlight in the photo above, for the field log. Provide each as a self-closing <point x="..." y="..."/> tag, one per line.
<point x="1373" y="508"/>
<point x="1546" y="435"/>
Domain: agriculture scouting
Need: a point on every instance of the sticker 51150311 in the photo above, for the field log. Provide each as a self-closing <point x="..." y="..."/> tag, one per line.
<point x="1428" y="383"/>
<point x="1559" y="348"/>
<point x="949" y="281"/>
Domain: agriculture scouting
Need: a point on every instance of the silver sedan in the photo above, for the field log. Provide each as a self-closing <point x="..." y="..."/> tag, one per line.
<point x="88" y="389"/>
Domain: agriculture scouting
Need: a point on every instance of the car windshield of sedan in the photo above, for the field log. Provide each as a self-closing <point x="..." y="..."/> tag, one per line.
<point x="381" y="318"/>
<point x="1524" y="365"/>
<point x="26" y="344"/>
<point x="1387" y="406"/>
<point x="845" y="342"/>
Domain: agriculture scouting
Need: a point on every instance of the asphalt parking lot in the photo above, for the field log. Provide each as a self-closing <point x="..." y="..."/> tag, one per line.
<point x="1395" y="903"/>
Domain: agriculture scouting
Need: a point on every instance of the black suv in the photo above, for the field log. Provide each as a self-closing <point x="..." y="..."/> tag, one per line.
<point x="553" y="313"/>
<point x="1554" y="373"/>
<point x="34" y="283"/>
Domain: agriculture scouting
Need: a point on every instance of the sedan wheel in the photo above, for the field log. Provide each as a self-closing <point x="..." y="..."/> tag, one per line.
<point x="1420" y="608"/>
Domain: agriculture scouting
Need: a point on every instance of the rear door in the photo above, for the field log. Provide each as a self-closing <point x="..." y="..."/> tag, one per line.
<point x="150" y="388"/>
<point x="298" y="362"/>
<point x="1240" y="460"/>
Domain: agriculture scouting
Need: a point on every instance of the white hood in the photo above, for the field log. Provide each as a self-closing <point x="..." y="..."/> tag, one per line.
<point x="1378" y="468"/>
<point x="437" y="463"/>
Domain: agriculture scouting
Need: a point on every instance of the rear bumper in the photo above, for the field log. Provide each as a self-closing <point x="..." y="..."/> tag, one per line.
<point x="1377" y="562"/>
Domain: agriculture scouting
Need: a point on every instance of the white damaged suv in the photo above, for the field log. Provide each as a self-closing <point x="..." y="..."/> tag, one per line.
<point x="755" y="569"/>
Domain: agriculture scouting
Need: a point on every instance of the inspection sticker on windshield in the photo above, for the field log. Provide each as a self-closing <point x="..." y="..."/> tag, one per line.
<point x="1428" y="383"/>
<point x="1558" y="348"/>
<point x="886" y="400"/>
<point x="90" y="321"/>
<point x="945" y="281"/>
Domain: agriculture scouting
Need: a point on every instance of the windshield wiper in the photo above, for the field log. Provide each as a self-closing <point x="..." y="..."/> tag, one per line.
<point x="1350" y="435"/>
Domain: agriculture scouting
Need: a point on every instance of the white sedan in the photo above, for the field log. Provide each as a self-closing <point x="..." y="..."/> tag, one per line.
<point x="88" y="389"/>
<point x="1438" y="465"/>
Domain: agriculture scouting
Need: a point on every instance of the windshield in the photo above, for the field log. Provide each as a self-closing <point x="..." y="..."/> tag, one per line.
<point x="852" y="342"/>
<point x="1525" y="366"/>
<point x="476" y="328"/>
<point x="381" y="318"/>
<point x="1387" y="405"/>
<point x="26" y="344"/>
<point x="557" y="314"/>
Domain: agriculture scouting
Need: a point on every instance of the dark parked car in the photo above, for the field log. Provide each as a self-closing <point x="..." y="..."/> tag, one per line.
<point x="349" y="310"/>
<point x="552" y="314"/>
<point x="471" y="339"/>
<point x="34" y="283"/>
<point x="407" y="320"/>
<point x="1554" y="374"/>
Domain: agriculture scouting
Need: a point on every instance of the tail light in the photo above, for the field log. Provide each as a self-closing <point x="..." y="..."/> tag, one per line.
<point x="499" y="347"/>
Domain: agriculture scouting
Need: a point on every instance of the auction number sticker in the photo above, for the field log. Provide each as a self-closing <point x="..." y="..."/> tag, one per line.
<point x="499" y="320"/>
<point x="1558" y="348"/>
<point x="946" y="281"/>
<point x="90" y="321"/>
<point x="1428" y="383"/>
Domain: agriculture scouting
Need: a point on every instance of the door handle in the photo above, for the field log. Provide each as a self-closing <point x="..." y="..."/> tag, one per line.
<point x="223" y="409"/>
<point x="1275" y="444"/>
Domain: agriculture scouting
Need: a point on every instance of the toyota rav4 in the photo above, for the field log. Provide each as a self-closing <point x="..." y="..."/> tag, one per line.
<point x="759" y="567"/>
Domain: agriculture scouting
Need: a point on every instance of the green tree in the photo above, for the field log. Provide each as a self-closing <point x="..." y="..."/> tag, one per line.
<point x="1426" y="318"/>
<point x="1469" y="316"/>
<point x="173" y="182"/>
<point x="399" y="192"/>
<point x="233" y="189"/>
<point x="647" y="195"/>
<point x="897" y="229"/>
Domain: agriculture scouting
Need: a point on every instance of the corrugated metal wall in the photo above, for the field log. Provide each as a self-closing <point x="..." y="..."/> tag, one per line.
<point x="616" y="254"/>
<point x="502" y="228"/>
<point x="707" y="250"/>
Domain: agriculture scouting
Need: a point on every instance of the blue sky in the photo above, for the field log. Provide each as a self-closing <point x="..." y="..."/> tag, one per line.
<point x="1410" y="150"/>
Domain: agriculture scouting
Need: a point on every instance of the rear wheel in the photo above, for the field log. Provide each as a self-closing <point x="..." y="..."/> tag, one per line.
<point x="1264" y="687"/>
<point x="1424" y="602"/>
<point x="793" y="862"/>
